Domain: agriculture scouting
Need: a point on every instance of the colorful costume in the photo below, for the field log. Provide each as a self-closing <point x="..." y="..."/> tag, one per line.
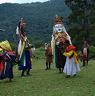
<point x="48" y="54"/>
<point x="10" y="60"/>
<point x="2" y="66"/>
<point x="58" y="38"/>
<point x="25" y="59"/>
<point x="6" y="69"/>
<point x="24" y="51"/>
<point x="71" y="65"/>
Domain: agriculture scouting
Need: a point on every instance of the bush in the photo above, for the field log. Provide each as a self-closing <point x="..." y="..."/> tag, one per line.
<point x="92" y="52"/>
<point x="39" y="53"/>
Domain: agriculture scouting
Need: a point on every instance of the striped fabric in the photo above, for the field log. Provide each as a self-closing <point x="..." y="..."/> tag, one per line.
<point x="21" y="52"/>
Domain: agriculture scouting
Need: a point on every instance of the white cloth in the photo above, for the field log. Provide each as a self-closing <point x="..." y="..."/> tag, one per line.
<point x="70" y="68"/>
<point x="17" y="30"/>
<point x="85" y="51"/>
<point x="19" y="47"/>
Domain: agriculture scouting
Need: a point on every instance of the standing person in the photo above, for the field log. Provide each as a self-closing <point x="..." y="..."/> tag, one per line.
<point x="28" y="54"/>
<point x="21" y="52"/>
<point x="71" y="67"/>
<point x="28" y="60"/>
<point x="48" y="54"/>
<point x="2" y="64"/>
<point x="25" y="60"/>
<point x="10" y="60"/>
<point x="7" y="60"/>
<point x="59" y="36"/>
<point x="24" y="50"/>
<point x="85" y="52"/>
<point x="61" y="57"/>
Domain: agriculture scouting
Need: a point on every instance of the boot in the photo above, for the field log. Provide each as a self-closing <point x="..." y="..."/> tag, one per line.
<point x="28" y="72"/>
<point x="22" y="74"/>
<point x="46" y="66"/>
<point x="83" y="62"/>
<point x="49" y="65"/>
<point x="60" y="70"/>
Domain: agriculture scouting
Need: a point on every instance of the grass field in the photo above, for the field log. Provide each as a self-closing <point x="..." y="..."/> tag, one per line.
<point x="50" y="83"/>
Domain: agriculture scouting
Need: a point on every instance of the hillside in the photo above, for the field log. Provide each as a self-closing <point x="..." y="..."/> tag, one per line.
<point x="38" y="17"/>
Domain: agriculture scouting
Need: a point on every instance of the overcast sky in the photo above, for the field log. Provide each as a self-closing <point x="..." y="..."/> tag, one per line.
<point x="21" y="1"/>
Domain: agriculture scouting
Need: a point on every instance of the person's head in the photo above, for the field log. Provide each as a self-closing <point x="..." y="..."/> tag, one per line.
<point x="85" y="42"/>
<point x="58" y="19"/>
<point x="21" y="19"/>
<point x="45" y="44"/>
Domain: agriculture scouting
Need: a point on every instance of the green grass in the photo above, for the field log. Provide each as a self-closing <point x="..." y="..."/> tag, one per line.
<point x="50" y="83"/>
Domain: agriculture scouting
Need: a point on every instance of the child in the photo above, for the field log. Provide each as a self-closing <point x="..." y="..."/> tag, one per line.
<point x="48" y="54"/>
<point x="71" y="67"/>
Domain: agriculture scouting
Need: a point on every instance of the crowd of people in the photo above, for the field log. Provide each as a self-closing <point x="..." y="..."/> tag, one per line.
<point x="21" y="56"/>
<point x="67" y="59"/>
<point x="60" y="48"/>
<point x="64" y="52"/>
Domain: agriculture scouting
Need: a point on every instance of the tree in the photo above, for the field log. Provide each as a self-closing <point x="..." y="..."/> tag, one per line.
<point x="80" y="20"/>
